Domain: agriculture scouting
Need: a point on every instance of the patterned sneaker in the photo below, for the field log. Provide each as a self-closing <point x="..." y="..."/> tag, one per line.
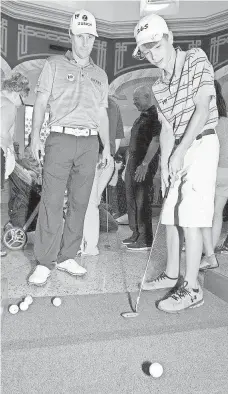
<point x="208" y="263"/>
<point x="161" y="282"/>
<point x="182" y="298"/>
<point x="71" y="267"/>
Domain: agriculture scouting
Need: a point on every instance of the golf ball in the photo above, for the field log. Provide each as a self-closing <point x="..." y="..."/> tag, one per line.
<point x="56" y="301"/>
<point x="28" y="299"/>
<point x="13" y="309"/>
<point x="156" y="370"/>
<point x="23" y="306"/>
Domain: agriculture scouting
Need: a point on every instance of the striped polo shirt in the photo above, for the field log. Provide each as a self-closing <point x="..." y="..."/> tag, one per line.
<point x="176" y="97"/>
<point x="76" y="93"/>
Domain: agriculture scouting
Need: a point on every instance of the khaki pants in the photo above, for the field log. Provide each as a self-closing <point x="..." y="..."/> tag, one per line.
<point x="70" y="162"/>
<point x="92" y="223"/>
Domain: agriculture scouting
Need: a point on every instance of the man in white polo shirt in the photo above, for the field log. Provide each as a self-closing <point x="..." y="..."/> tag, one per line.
<point x="77" y="92"/>
<point x="186" y="102"/>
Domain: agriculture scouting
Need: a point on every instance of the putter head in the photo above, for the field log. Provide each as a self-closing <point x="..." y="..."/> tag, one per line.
<point x="127" y="315"/>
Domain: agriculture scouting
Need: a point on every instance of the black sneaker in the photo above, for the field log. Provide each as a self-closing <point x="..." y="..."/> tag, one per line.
<point x="131" y="239"/>
<point x="139" y="245"/>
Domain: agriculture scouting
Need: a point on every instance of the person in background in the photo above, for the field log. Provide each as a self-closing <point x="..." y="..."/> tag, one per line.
<point x="77" y="92"/>
<point x="223" y="249"/>
<point x="102" y="176"/>
<point x="16" y="147"/>
<point x="13" y="92"/>
<point x="211" y="235"/>
<point x="140" y="170"/>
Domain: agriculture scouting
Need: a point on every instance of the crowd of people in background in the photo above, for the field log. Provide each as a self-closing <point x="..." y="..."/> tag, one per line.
<point x="172" y="147"/>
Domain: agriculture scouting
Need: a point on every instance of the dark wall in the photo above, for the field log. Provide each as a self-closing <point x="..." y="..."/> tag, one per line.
<point x="23" y="41"/>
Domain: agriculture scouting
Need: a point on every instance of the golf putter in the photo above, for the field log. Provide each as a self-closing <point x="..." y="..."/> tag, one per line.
<point x="135" y="313"/>
<point x="107" y="245"/>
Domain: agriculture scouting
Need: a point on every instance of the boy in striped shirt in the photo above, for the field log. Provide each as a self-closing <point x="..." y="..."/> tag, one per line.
<point x="187" y="108"/>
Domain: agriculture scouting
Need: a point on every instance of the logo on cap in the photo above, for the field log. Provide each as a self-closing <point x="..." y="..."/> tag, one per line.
<point x="70" y="77"/>
<point x="84" y="17"/>
<point x="77" y="16"/>
<point x="141" y="28"/>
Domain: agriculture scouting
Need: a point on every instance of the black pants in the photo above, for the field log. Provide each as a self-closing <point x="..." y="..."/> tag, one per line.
<point x="139" y="201"/>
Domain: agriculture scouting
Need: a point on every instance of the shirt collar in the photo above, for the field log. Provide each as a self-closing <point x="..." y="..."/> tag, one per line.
<point x="148" y="112"/>
<point x="70" y="57"/>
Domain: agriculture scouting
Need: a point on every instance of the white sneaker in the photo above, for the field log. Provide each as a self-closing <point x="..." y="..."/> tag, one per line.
<point x="161" y="282"/>
<point x="71" y="267"/>
<point x="182" y="298"/>
<point x="39" y="276"/>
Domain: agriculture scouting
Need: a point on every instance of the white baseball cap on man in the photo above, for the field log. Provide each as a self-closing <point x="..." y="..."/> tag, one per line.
<point x="149" y="29"/>
<point x="83" y="22"/>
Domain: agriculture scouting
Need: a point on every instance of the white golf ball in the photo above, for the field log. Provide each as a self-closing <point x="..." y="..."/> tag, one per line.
<point x="13" y="309"/>
<point x="156" y="370"/>
<point x="56" y="301"/>
<point x="23" y="306"/>
<point x="28" y="299"/>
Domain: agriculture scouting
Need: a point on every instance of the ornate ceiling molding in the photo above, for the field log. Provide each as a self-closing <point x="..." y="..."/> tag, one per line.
<point x="60" y="19"/>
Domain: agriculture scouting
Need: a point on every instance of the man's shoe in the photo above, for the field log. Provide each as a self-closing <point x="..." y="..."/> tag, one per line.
<point x="131" y="239"/>
<point x="208" y="263"/>
<point x="39" y="276"/>
<point x="139" y="245"/>
<point x="161" y="282"/>
<point x="182" y="298"/>
<point x="71" y="267"/>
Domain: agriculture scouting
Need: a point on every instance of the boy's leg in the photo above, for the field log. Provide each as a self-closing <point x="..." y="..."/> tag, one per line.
<point x="168" y="278"/>
<point x="194" y="247"/>
<point x="220" y="202"/>
<point x="174" y="241"/>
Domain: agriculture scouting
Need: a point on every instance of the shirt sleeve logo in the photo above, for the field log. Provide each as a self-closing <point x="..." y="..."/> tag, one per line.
<point x="70" y="77"/>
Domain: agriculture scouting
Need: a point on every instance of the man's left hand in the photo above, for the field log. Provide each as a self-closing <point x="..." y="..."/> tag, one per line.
<point x="140" y="173"/>
<point x="106" y="158"/>
<point x="175" y="165"/>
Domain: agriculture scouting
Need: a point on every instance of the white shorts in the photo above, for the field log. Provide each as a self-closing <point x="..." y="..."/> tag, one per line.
<point x="190" y="202"/>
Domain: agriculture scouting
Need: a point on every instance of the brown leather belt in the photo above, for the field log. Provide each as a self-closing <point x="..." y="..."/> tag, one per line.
<point x="201" y="135"/>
